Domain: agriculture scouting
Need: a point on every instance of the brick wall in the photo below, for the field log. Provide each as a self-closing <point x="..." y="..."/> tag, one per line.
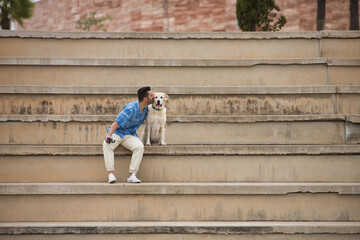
<point x="184" y="15"/>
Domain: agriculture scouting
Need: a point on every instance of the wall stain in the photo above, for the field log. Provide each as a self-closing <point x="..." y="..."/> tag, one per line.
<point x="21" y="110"/>
<point x="190" y="104"/>
<point x="11" y="139"/>
<point x="97" y="109"/>
<point x="77" y="109"/>
<point x="45" y="108"/>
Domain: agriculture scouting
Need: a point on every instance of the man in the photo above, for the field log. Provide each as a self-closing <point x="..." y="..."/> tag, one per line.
<point x="123" y="132"/>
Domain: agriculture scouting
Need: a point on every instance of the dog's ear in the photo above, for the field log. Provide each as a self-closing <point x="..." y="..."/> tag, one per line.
<point x="166" y="97"/>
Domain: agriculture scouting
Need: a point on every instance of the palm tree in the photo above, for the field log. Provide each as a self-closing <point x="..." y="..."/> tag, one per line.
<point x="15" y="10"/>
<point x="320" y="18"/>
<point x="354" y="15"/>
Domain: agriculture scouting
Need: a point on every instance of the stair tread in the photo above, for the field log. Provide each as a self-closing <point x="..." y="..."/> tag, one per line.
<point x="166" y="188"/>
<point x="240" y="62"/>
<point x="180" y="35"/>
<point x="195" y="227"/>
<point x="80" y="89"/>
<point x="169" y="150"/>
<point x="355" y="118"/>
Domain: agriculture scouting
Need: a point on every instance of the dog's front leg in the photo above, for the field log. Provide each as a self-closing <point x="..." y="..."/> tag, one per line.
<point x="148" y="133"/>
<point x="162" y="130"/>
<point x="144" y="133"/>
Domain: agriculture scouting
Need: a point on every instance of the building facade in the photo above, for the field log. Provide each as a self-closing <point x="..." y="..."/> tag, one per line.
<point x="177" y="15"/>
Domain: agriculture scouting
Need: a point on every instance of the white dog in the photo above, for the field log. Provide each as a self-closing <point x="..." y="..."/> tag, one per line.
<point x="154" y="131"/>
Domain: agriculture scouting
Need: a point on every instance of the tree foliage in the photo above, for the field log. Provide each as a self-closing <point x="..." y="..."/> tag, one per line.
<point x="354" y="15"/>
<point x="320" y="17"/>
<point x="91" y="23"/>
<point x="15" y="10"/>
<point x="253" y="15"/>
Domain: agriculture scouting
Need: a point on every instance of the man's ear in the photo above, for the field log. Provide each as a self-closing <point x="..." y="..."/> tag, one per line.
<point x="166" y="97"/>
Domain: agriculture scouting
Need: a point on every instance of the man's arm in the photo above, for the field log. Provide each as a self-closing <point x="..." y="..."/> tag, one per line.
<point x="112" y="129"/>
<point x="123" y="119"/>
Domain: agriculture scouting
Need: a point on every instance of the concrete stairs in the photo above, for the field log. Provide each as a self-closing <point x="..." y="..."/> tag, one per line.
<point x="263" y="135"/>
<point x="185" y="163"/>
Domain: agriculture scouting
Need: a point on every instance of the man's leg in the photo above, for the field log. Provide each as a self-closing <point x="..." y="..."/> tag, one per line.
<point x="135" y="145"/>
<point x="108" y="149"/>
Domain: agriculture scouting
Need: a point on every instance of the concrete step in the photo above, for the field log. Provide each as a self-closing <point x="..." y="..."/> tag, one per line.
<point x="195" y="130"/>
<point x="177" y="188"/>
<point x="180" y="202"/>
<point x="184" y="163"/>
<point x="175" y="72"/>
<point x="97" y="100"/>
<point x="338" y="44"/>
<point x="181" y="230"/>
<point x="354" y="118"/>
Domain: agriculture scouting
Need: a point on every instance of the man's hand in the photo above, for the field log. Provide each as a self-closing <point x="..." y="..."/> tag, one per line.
<point x="108" y="137"/>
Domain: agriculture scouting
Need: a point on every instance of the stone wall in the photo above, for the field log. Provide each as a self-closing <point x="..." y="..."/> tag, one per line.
<point x="184" y="15"/>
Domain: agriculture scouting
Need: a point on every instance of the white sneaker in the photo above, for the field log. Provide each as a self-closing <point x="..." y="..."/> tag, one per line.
<point x="133" y="179"/>
<point x="112" y="178"/>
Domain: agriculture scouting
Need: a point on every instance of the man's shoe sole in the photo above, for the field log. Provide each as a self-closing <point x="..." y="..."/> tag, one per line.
<point x="133" y="182"/>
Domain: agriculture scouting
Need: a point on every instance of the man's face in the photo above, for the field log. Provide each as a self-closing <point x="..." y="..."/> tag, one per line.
<point x="150" y="98"/>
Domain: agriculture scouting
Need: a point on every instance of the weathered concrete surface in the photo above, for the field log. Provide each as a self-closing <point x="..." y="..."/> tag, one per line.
<point x="242" y="236"/>
<point x="348" y="103"/>
<point x="179" y="35"/>
<point x="343" y="62"/>
<point x="151" y="35"/>
<point x="73" y="207"/>
<point x="348" y="89"/>
<point x="116" y="62"/>
<point x="353" y="133"/>
<point x="182" y="150"/>
<point x="208" y="227"/>
<point x="355" y="118"/>
<point x="321" y="132"/>
<point x="212" y="104"/>
<point x="256" y="133"/>
<point x="191" y="168"/>
<point x="236" y="165"/>
<point x="177" y="188"/>
<point x="180" y="45"/>
<point x="344" y="75"/>
<point x="340" y="48"/>
<point x="162" y="48"/>
<point x="177" y="90"/>
<point x="260" y="75"/>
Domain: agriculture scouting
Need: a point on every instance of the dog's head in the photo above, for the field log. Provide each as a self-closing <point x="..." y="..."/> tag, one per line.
<point x="159" y="100"/>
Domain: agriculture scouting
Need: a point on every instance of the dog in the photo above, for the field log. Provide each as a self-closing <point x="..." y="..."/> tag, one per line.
<point x="154" y="131"/>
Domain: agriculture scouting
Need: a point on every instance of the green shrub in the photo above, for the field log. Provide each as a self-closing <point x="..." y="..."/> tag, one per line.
<point x="253" y="15"/>
<point x="91" y="23"/>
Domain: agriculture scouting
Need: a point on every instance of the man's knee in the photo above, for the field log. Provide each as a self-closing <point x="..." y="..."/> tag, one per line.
<point x="138" y="147"/>
<point x="107" y="146"/>
<point x="104" y="145"/>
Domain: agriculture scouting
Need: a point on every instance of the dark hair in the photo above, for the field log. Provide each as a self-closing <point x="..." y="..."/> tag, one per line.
<point x="143" y="92"/>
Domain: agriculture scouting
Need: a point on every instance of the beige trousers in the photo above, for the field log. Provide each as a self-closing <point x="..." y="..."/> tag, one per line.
<point x="130" y="142"/>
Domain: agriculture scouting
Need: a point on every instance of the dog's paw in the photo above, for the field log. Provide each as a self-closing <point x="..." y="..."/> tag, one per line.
<point x="148" y="143"/>
<point x="163" y="143"/>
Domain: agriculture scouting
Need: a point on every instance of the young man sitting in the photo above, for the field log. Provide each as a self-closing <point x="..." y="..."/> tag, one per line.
<point x="123" y="132"/>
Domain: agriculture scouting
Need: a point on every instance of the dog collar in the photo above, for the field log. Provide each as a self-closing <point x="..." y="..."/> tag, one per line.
<point x="157" y="109"/>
